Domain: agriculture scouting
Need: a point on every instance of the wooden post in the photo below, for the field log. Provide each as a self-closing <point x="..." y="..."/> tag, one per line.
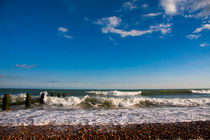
<point x="6" y="102"/>
<point x="42" y="98"/>
<point x="64" y="94"/>
<point x="28" y="100"/>
<point x="59" y="95"/>
<point x="52" y="94"/>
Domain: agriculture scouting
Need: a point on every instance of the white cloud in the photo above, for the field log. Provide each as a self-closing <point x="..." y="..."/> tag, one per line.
<point x="152" y="14"/>
<point x="192" y="36"/>
<point x="186" y="8"/>
<point x="203" y="27"/>
<point x="110" y="24"/>
<point x="62" y="29"/>
<point x="130" y="5"/>
<point x="163" y="28"/>
<point x="204" y="44"/>
<point x="109" y="21"/>
<point x="25" y="66"/>
<point x="110" y="38"/>
<point x="169" y="6"/>
<point x="195" y="34"/>
<point x="68" y="36"/>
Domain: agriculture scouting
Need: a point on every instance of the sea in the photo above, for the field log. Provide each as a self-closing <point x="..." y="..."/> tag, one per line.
<point x="106" y="107"/>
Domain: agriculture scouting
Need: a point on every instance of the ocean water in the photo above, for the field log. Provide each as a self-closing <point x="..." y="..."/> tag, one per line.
<point x="94" y="107"/>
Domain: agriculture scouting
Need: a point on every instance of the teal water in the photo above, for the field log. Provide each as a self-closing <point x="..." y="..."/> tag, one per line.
<point x="159" y="93"/>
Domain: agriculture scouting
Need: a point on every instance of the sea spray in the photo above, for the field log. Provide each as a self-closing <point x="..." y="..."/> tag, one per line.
<point x="117" y="102"/>
<point x="42" y="96"/>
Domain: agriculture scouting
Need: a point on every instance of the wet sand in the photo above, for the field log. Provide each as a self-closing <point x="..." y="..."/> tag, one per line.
<point x="182" y="130"/>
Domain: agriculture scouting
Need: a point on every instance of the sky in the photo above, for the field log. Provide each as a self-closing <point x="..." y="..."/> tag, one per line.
<point x="114" y="44"/>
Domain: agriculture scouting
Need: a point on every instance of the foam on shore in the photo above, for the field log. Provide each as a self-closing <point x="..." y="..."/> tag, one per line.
<point x="49" y="115"/>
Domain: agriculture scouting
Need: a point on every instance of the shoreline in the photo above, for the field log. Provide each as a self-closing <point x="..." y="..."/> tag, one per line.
<point x="183" y="130"/>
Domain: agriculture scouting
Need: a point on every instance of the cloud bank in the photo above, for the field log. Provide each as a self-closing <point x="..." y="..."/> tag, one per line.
<point x="187" y="8"/>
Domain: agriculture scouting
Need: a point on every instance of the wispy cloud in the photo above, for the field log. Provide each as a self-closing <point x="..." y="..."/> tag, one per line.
<point x="63" y="31"/>
<point x="187" y="8"/>
<point x="192" y="36"/>
<point x="204" y="44"/>
<point x="25" y="66"/>
<point x="203" y="27"/>
<point x="109" y="21"/>
<point x="110" y="26"/>
<point x="111" y="39"/>
<point x="129" y="5"/>
<point x="152" y="14"/>
<point x="86" y="19"/>
<point x="195" y="34"/>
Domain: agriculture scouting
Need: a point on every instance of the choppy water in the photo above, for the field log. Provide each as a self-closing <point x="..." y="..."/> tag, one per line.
<point x="108" y="107"/>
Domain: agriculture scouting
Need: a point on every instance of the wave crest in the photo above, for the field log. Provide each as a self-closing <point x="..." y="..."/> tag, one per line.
<point x="116" y="93"/>
<point x="207" y="91"/>
<point x="111" y="102"/>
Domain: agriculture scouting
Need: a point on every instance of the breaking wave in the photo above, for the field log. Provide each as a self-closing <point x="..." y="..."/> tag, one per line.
<point x="116" y="93"/>
<point x="16" y="98"/>
<point x="207" y="91"/>
<point x="112" y="102"/>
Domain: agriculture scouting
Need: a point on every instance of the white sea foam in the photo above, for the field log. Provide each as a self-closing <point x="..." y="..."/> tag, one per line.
<point x="47" y="115"/>
<point x="116" y="93"/>
<point x="15" y="98"/>
<point x="117" y="102"/>
<point x="18" y="97"/>
<point x="207" y="91"/>
<point x="44" y="92"/>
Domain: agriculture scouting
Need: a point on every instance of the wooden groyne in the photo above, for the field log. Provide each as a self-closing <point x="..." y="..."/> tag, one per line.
<point x="6" y="100"/>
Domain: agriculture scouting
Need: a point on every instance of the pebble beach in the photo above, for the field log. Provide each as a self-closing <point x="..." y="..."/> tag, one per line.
<point x="176" y="130"/>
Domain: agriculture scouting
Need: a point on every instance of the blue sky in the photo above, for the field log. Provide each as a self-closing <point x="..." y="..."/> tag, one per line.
<point x="104" y="44"/>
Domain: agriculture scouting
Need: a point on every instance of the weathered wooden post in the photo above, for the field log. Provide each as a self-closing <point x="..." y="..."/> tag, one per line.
<point x="59" y="95"/>
<point x="64" y="94"/>
<point x="28" y="100"/>
<point x="6" y="102"/>
<point x="52" y="94"/>
<point x="42" y="98"/>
